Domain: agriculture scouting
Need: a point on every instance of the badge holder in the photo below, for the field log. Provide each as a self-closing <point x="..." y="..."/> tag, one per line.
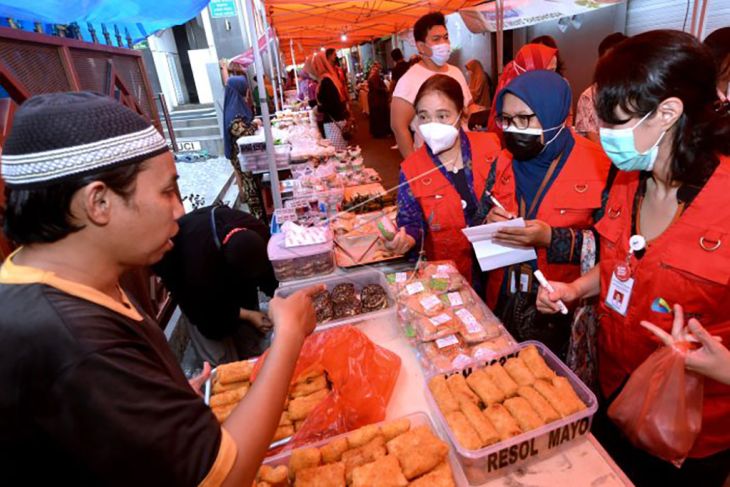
<point x="622" y="281"/>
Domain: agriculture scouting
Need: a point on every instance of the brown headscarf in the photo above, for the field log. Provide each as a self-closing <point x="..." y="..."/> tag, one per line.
<point x="478" y="83"/>
<point x="321" y="68"/>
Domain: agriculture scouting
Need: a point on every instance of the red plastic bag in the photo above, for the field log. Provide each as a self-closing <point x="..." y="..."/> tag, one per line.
<point x="660" y="408"/>
<point x="363" y="376"/>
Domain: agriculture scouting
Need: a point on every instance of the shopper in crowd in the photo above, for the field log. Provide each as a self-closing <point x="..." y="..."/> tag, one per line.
<point x="334" y="61"/>
<point x="432" y="41"/>
<point x="312" y="89"/>
<point x="529" y="58"/>
<point x="554" y="180"/>
<point x="237" y="122"/>
<point x="378" y="103"/>
<point x="307" y="90"/>
<point x="400" y="68"/>
<point x="479" y="84"/>
<point x="719" y="44"/>
<point x="550" y="42"/>
<point x="331" y="101"/>
<point x="442" y="183"/>
<point x="656" y="98"/>
<point x="90" y="385"/>
<point x="586" y="119"/>
<point x="214" y="272"/>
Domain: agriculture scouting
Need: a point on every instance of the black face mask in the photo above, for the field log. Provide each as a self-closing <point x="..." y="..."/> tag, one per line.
<point x="523" y="146"/>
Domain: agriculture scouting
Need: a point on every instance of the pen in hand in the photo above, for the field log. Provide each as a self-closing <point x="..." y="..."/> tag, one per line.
<point x="499" y="205"/>
<point x="544" y="283"/>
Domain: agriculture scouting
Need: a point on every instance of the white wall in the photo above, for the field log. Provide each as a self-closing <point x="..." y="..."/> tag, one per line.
<point x="162" y="47"/>
<point x="198" y="60"/>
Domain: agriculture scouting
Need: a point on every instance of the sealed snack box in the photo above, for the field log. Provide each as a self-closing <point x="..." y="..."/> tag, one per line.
<point x="300" y="262"/>
<point x="400" y="452"/>
<point x="503" y="413"/>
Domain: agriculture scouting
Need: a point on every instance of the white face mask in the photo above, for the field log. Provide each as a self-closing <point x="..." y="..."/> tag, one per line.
<point x="439" y="136"/>
<point x="440" y="53"/>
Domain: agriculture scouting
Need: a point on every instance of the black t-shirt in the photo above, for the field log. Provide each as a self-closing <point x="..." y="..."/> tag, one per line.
<point x="330" y="104"/>
<point x="212" y="284"/>
<point x="93" y="396"/>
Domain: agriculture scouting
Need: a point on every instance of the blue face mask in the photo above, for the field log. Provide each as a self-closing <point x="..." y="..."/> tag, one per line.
<point x="620" y="146"/>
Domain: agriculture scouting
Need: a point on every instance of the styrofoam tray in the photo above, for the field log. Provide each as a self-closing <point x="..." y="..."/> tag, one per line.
<point x="501" y="458"/>
<point x="417" y="419"/>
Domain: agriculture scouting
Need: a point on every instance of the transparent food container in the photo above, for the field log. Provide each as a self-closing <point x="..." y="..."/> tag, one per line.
<point x="359" y="279"/>
<point x="300" y="262"/>
<point x="505" y="456"/>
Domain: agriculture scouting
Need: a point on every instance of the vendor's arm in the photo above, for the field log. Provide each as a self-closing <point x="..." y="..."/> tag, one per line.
<point x="409" y="219"/>
<point x="586" y="286"/>
<point x="254" y="421"/>
<point x="401" y="114"/>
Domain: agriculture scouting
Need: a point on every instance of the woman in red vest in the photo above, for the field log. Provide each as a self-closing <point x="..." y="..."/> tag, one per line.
<point x="664" y="237"/>
<point x="442" y="184"/>
<point x="552" y="178"/>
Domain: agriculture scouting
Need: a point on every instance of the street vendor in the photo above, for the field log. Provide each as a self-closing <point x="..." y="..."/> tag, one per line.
<point x="91" y="392"/>
<point x="442" y="183"/>
<point x="663" y="237"/>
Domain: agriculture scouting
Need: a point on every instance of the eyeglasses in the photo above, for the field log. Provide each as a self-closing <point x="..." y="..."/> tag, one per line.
<point x="519" y="121"/>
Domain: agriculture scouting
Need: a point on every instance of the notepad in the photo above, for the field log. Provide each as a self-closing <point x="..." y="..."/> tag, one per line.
<point x="492" y="255"/>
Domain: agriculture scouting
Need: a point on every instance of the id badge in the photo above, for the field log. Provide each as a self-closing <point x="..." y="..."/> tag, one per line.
<point x="619" y="294"/>
<point x="524" y="276"/>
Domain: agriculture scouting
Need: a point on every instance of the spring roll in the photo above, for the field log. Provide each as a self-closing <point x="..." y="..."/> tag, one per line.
<point x="525" y="415"/>
<point x="534" y="361"/>
<point x="543" y="408"/>
<point x="548" y="391"/>
<point x="302" y="458"/>
<point x="517" y="369"/>
<point x="228" y="397"/>
<point x="283" y="432"/>
<point x="501" y="379"/>
<point x="566" y="391"/>
<point x="306" y="388"/>
<point x="464" y="432"/>
<point x="442" y="395"/>
<point x="486" y="431"/>
<point x="234" y="372"/>
<point x="503" y="421"/>
<point x="395" y="428"/>
<point x="458" y="387"/>
<point x="300" y="407"/>
<point x="222" y="412"/>
<point x="219" y="387"/>
<point x="332" y="451"/>
<point x="484" y="387"/>
<point x="362" y="436"/>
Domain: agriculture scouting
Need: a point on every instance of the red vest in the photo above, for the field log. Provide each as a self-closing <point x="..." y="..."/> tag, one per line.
<point x="569" y="202"/>
<point x="441" y="203"/>
<point x="681" y="267"/>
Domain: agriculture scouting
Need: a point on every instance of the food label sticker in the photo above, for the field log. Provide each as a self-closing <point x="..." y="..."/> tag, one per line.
<point x="439" y="275"/>
<point x="455" y="299"/>
<point x="448" y="341"/>
<point x="469" y="320"/>
<point x="440" y="319"/>
<point x="443" y="269"/>
<point x="430" y="302"/>
<point x="401" y="277"/>
<point x="619" y="294"/>
<point x="415" y="288"/>
<point x="284" y="215"/>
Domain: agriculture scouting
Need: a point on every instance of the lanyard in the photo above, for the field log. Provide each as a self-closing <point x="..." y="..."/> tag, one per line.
<point x="541" y="190"/>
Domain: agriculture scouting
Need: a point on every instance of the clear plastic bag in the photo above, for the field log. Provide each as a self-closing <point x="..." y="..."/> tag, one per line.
<point x="660" y="408"/>
<point x="362" y="375"/>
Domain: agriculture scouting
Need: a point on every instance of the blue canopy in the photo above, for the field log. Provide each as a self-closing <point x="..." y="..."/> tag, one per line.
<point x="138" y="18"/>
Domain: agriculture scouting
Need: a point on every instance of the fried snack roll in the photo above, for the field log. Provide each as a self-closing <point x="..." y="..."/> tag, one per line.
<point x="309" y="374"/>
<point x="361" y="436"/>
<point x="543" y="408"/>
<point x="517" y="369"/>
<point x="219" y="388"/>
<point x="298" y="424"/>
<point x="274" y="475"/>
<point x="548" y="391"/>
<point x="285" y="420"/>
<point x="234" y="372"/>
<point x="503" y="421"/>
<point x="534" y="361"/>
<point x="300" y="407"/>
<point x="525" y="415"/>
<point x="501" y="379"/>
<point x="418" y="451"/>
<point x="222" y="412"/>
<point x="306" y="388"/>
<point x="384" y="471"/>
<point x="395" y="428"/>
<point x="228" y="397"/>
<point x="566" y="391"/>
<point x="486" y="431"/>
<point x="362" y="455"/>
<point x="457" y="385"/>
<point x="331" y="475"/>
<point x="332" y="451"/>
<point x="484" y="387"/>
<point x="442" y="395"/>
<point x="441" y="476"/>
<point x="283" y="432"/>
<point x="303" y="458"/>
<point x="464" y="432"/>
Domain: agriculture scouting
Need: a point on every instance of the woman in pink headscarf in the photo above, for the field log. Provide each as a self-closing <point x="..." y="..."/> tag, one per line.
<point x="331" y="100"/>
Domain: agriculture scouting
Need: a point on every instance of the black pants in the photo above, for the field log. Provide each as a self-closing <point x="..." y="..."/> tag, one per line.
<point x="645" y="469"/>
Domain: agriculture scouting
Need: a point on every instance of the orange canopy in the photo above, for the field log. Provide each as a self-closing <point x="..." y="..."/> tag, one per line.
<point x="313" y="24"/>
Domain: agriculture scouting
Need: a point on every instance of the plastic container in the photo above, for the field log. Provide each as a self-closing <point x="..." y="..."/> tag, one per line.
<point x="251" y="143"/>
<point x="501" y="458"/>
<point x="300" y="262"/>
<point x="360" y="279"/>
<point x="417" y="419"/>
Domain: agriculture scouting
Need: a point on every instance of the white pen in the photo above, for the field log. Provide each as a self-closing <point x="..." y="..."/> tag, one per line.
<point x="544" y="283"/>
<point x="496" y="202"/>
